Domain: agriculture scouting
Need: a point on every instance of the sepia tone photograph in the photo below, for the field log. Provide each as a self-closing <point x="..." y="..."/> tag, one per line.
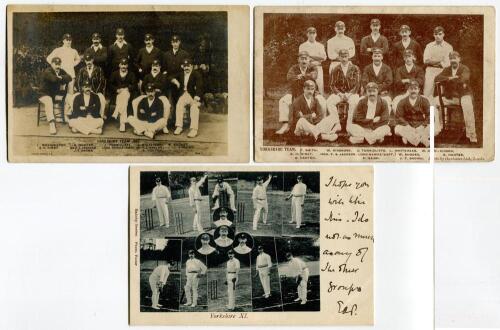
<point x="129" y="82"/>
<point x="340" y="84"/>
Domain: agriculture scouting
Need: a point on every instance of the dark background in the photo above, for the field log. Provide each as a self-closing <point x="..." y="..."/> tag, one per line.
<point x="40" y="33"/>
<point x="148" y="181"/>
<point x="283" y="33"/>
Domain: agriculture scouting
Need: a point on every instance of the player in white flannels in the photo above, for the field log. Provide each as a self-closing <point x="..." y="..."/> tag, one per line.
<point x="263" y="265"/>
<point x="316" y="51"/>
<point x="297" y="195"/>
<point x="195" y="201"/>
<point x="157" y="280"/>
<point x="259" y="198"/>
<point x="298" y="269"/>
<point x="232" y="270"/>
<point x="194" y="270"/>
<point x="161" y="196"/>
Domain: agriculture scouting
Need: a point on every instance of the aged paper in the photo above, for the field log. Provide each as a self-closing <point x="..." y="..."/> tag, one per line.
<point x="251" y="246"/>
<point x="449" y="52"/>
<point x="200" y="83"/>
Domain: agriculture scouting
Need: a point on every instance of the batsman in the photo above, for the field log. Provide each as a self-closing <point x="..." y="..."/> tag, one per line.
<point x="298" y="269"/>
<point x="232" y="270"/>
<point x="157" y="281"/>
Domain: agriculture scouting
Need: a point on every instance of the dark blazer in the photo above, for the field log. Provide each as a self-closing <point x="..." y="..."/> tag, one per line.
<point x="145" y="59"/>
<point x="381" y="110"/>
<point x="115" y="54"/>
<point x="51" y="83"/>
<point x="172" y="63"/>
<point x="384" y="78"/>
<point x="116" y="82"/>
<point x="159" y="82"/>
<point x="100" y="57"/>
<point x="339" y="83"/>
<point x="194" y="84"/>
<point x="297" y="85"/>
<point x="416" y="73"/>
<point x="398" y="49"/>
<point x="300" y="105"/>
<point x="80" y="110"/>
<point x="456" y="87"/>
<point x="367" y="42"/>
<point x="150" y="113"/>
<point x="417" y="115"/>
<point x="97" y="80"/>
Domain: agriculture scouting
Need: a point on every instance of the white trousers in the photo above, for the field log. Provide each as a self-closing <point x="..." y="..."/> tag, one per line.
<point x="121" y="106"/>
<point x="197" y="217"/>
<point x="162" y="207"/>
<point x="414" y="135"/>
<point x="260" y="207"/>
<point x="155" y="296"/>
<point x="334" y="99"/>
<point x="231" y="288"/>
<point x="360" y="133"/>
<point x="265" y="280"/>
<point x="86" y="125"/>
<point x="285" y="106"/>
<point x="187" y="101"/>
<point x="327" y="126"/>
<point x="430" y="75"/>
<point x="302" y="287"/>
<point x="142" y="126"/>
<point x="297" y="211"/>
<point x="468" y="110"/>
<point x="319" y="80"/>
<point x="191" y="286"/>
<point x="48" y="106"/>
<point x="163" y="99"/>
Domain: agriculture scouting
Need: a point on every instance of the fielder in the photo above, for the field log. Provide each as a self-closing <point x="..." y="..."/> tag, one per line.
<point x="195" y="201"/>
<point x="205" y="248"/>
<point x="157" y="281"/>
<point x="371" y="118"/>
<point x="412" y="117"/>
<point x="338" y="42"/>
<point x="263" y="265"/>
<point x="316" y="51"/>
<point x="298" y="269"/>
<point x="232" y="270"/>
<point x="194" y="270"/>
<point x="161" y="196"/>
<point x="297" y="195"/>
<point x="242" y="247"/>
<point x="223" y="240"/>
<point x="223" y="190"/>
<point x="259" y="198"/>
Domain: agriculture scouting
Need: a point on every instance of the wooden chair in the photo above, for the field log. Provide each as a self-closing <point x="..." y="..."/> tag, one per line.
<point x="58" y="102"/>
<point x="343" y="110"/>
<point x="447" y="108"/>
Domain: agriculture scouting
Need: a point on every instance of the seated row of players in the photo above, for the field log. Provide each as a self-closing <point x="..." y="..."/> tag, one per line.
<point x="138" y="99"/>
<point x="347" y="83"/>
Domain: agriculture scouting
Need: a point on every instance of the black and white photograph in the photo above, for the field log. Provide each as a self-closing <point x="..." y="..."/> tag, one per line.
<point x="193" y="293"/>
<point x="298" y="267"/>
<point x="160" y="274"/>
<point x="123" y="83"/>
<point x="336" y="80"/>
<point x="260" y="207"/>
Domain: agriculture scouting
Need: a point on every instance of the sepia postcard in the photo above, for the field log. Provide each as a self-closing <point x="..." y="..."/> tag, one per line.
<point x="141" y="83"/>
<point x="358" y="84"/>
<point x="247" y="245"/>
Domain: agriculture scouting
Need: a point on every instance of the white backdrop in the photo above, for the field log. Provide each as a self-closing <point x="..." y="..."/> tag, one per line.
<point x="63" y="245"/>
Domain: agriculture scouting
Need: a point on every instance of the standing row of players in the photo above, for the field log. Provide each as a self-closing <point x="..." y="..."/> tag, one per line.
<point x="143" y="89"/>
<point x="406" y="87"/>
<point x="195" y="269"/>
<point x="161" y="196"/>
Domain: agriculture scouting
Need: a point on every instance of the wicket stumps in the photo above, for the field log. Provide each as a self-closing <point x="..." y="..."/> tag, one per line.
<point x="179" y="224"/>
<point x="241" y="212"/>
<point x="212" y="288"/>
<point x="148" y="219"/>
